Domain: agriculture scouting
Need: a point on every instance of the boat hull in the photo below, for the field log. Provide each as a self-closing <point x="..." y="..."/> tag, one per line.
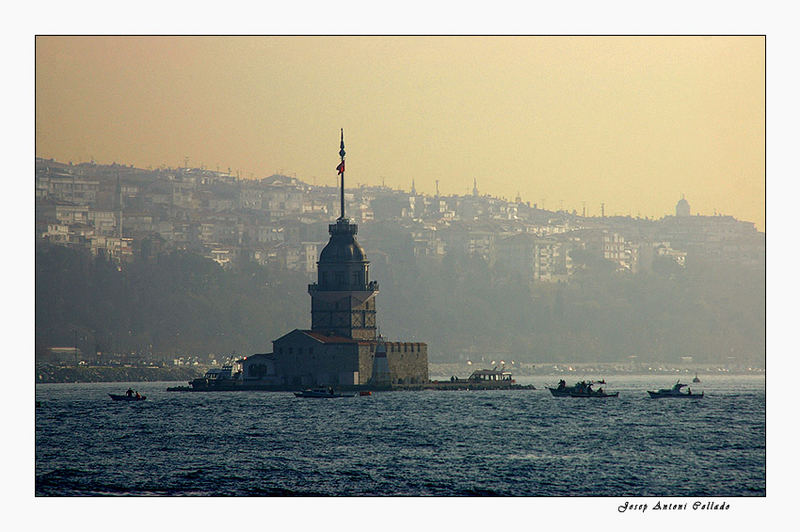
<point x="659" y="395"/>
<point x="116" y="397"/>
<point x="322" y="395"/>
<point x="595" y="395"/>
<point x="560" y="393"/>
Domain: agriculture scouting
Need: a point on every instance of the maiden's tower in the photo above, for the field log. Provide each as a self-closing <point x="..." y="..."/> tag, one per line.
<point x="340" y="346"/>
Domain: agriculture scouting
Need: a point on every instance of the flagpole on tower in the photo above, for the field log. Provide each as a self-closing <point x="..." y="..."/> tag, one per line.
<point x="340" y="168"/>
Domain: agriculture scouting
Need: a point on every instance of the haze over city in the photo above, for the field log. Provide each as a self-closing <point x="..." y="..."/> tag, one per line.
<point x="563" y="122"/>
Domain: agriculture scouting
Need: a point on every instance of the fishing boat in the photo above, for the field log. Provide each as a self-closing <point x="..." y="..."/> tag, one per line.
<point x="566" y="391"/>
<point x="584" y="389"/>
<point x="322" y="393"/>
<point x="675" y="391"/>
<point x="123" y="397"/>
<point x="696" y="378"/>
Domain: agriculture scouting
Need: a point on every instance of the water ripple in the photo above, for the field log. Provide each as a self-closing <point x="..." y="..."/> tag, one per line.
<point x="517" y="443"/>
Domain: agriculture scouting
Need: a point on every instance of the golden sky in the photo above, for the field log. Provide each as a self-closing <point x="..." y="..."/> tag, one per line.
<point x="632" y="122"/>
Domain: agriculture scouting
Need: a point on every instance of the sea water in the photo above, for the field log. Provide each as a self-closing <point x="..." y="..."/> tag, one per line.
<point x="429" y="443"/>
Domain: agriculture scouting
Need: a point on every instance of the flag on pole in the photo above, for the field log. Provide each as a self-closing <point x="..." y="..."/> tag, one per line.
<point x="340" y="168"/>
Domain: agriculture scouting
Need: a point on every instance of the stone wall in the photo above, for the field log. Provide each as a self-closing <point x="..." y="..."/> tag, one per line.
<point x="408" y="362"/>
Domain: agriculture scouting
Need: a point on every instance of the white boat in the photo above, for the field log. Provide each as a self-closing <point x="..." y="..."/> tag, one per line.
<point x="675" y="391"/>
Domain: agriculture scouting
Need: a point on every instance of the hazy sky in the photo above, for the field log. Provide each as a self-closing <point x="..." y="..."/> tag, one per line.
<point x="633" y="122"/>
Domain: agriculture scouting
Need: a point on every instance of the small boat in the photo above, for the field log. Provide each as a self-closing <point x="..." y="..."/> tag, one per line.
<point x="364" y="392"/>
<point x="123" y="397"/>
<point x="675" y="391"/>
<point x="566" y="391"/>
<point x="322" y="393"/>
<point x="584" y="389"/>
<point x="696" y="378"/>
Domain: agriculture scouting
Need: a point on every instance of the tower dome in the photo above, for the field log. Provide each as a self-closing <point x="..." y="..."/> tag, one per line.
<point x="342" y="247"/>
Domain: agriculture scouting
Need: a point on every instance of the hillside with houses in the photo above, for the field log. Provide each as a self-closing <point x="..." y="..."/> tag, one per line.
<point x="172" y="263"/>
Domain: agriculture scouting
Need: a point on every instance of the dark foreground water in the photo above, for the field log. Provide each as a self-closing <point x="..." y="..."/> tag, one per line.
<point x="520" y="443"/>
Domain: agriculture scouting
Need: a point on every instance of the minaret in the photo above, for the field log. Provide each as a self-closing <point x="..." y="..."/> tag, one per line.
<point x="413" y="188"/>
<point x="475" y="187"/>
<point x="343" y="298"/>
<point x="118" y="201"/>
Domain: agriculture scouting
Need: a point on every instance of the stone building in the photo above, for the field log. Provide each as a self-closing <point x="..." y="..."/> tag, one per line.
<point x="339" y="349"/>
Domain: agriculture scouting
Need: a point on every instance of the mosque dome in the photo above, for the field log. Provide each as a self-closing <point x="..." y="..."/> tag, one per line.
<point x="682" y="208"/>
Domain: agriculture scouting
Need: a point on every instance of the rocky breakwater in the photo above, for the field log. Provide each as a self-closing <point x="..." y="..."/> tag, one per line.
<point x="49" y="374"/>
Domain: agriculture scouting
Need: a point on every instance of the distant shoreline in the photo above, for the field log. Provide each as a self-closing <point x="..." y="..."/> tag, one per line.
<point x="437" y="371"/>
